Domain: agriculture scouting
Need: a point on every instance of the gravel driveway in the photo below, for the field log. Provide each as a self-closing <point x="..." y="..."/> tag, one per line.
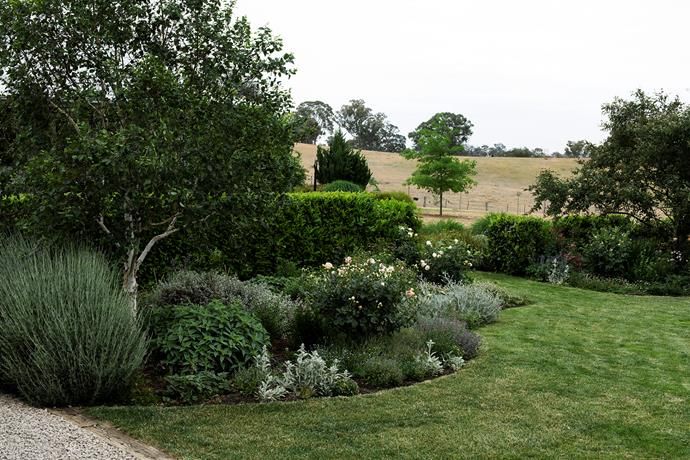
<point x="30" y="433"/>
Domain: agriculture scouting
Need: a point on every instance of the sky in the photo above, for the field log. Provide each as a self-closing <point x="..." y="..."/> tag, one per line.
<point x="529" y="73"/>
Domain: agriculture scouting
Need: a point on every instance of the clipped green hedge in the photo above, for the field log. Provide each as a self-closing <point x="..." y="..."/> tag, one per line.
<point x="300" y="229"/>
<point x="514" y="242"/>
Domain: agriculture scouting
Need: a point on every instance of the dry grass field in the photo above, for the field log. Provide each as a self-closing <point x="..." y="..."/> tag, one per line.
<point x="499" y="181"/>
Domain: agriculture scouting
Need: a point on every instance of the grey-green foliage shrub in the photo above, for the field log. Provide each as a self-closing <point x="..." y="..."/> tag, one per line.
<point x="275" y="311"/>
<point x="215" y="337"/>
<point x="196" y="388"/>
<point x="450" y="336"/>
<point x="342" y="186"/>
<point x="472" y="303"/>
<point x="67" y="332"/>
<point x="307" y="376"/>
<point x="383" y="372"/>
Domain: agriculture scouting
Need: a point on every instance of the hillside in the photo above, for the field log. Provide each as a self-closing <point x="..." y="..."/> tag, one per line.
<point x="499" y="181"/>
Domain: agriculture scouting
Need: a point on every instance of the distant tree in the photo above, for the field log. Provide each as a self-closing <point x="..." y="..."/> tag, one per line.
<point x="369" y="130"/>
<point x="142" y="117"/>
<point x="341" y="162"/>
<point x="578" y="149"/>
<point x="454" y="125"/>
<point x="304" y="128"/>
<point x="314" y="119"/>
<point x="641" y="170"/>
<point x="438" y="170"/>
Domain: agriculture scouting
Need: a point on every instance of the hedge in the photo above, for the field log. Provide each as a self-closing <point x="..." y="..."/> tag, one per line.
<point x="514" y="242"/>
<point x="295" y="230"/>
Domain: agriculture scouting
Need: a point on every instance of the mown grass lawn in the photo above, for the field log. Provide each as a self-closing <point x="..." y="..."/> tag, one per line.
<point x="574" y="374"/>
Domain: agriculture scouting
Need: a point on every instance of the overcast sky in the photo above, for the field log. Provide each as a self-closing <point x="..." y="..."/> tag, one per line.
<point x="526" y="73"/>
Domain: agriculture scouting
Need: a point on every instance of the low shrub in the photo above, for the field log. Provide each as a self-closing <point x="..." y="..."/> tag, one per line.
<point x="275" y="311"/>
<point x="197" y="388"/>
<point x="214" y="337"/>
<point x="471" y="303"/>
<point x="361" y="298"/>
<point x="381" y="372"/>
<point x="342" y="186"/>
<point x="309" y="375"/>
<point x="68" y="335"/>
<point x="450" y="337"/>
<point x="508" y="299"/>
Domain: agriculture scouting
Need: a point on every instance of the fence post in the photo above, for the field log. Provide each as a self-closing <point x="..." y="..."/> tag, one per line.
<point x="486" y="206"/>
<point x="424" y="206"/>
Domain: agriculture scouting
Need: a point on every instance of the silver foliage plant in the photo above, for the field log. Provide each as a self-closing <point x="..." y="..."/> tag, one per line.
<point x="472" y="303"/>
<point x="309" y="375"/>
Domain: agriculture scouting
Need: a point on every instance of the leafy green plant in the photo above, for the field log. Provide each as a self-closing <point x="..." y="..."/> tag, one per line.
<point x="275" y="311"/>
<point x="609" y="252"/>
<point x="342" y="186"/>
<point x="67" y="332"/>
<point x="196" y="388"/>
<point x="396" y="196"/>
<point x="382" y="372"/>
<point x="213" y="337"/>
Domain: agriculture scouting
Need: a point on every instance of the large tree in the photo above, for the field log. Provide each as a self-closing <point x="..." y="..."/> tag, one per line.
<point x="641" y="170"/>
<point x="316" y="118"/>
<point x="577" y="149"/>
<point x="142" y="116"/>
<point x="438" y="169"/>
<point x="453" y="125"/>
<point x="369" y="130"/>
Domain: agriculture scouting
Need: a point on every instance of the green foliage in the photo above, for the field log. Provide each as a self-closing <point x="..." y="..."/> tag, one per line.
<point x="437" y="170"/>
<point x="642" y="169"/>
<point x="452" y="125"/>
<point x="514" y="242"/>
<point x="154" y="126"/>
<point x="398" y="196"/>
<point x="342" y="186"/>
<point x="609" y="253"/>
<point x="361" y="299"/>
<point x="213" y="337"/>
<point x="341" y="162"/>
<point x="197" y="388"/>
<point x="381" y="372"/>
<point x="302" y="229"/>
<point x="274" y="311"/>
<point x="578" y="149"/>
<point x="67" y="333"/>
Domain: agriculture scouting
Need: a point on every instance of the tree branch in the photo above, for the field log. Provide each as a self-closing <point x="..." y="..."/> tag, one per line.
<point x="169" y="231"/>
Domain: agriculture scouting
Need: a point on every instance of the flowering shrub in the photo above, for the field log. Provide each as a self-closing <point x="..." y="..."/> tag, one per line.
<point x="406" y="247"/>
<point x="445" y="261"/>
<point x="609" y="252"/>
<point x="362" y="298"/>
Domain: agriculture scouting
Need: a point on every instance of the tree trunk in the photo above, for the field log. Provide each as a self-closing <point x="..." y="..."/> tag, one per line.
<point x="129" y="281"/>
<point x="441" y="204"/>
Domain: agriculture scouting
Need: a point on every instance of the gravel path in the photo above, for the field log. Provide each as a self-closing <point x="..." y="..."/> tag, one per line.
<point x="30" y="433"/>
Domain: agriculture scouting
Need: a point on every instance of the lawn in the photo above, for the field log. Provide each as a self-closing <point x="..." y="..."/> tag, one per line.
<point x="574" y="374"/>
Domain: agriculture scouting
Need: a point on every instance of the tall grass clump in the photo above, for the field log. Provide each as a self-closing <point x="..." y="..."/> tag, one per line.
<point x="67" y="333"/>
